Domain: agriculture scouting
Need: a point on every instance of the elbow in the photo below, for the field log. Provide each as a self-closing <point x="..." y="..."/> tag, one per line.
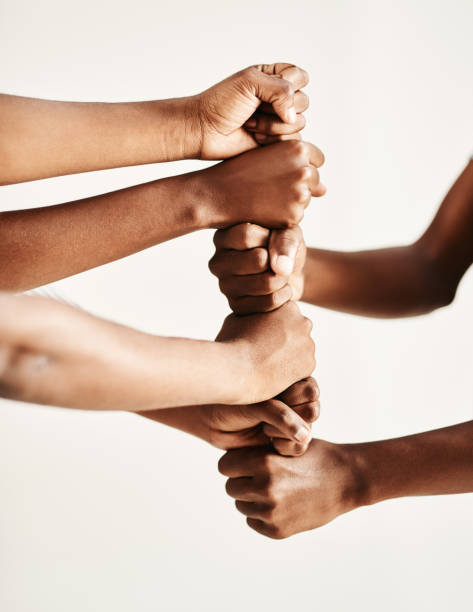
<point x="21" y="372"/>
<point x="438" y="285"/>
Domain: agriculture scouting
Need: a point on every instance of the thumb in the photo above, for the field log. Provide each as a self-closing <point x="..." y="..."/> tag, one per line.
<point x="283" y="247"/>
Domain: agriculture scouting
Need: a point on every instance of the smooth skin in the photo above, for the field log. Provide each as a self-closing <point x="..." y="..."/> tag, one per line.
<point x="271" y="185"/>
<point x="280" y="495"/>
<point x="124" y="370"/>
<point x="53" y="354"/>
<point x="44" y="138"/>
<point x="228" y="427"/>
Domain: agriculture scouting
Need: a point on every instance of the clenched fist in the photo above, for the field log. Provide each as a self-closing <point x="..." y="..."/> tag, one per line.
<point x="281" y="496"/>
<point x="275" y="349"/>
<point x="270" y="186"/>
<point x="259" y="269"/>
<point x="257" y="105"/>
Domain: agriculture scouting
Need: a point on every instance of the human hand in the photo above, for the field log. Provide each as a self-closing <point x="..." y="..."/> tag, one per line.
<point x="270" y="186"/>
<point x="259" y="269"/>
<point x="281" y="496"/>
<point x="272" y="351"/>
<point x="285" y="422"/>
<point x="258" y="105"/>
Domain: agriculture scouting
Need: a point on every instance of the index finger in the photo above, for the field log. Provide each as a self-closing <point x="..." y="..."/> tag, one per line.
<point x="242" y="237"/>
<point x="240" y="462"/>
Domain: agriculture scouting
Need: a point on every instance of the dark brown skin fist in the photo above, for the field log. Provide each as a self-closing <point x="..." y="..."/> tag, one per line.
<point x="270" y="186"/>
<point x="257" y="105"/>
<point x="276" y="350"/>
<point x="281" y="496"/>
<point x="259" y="269"/>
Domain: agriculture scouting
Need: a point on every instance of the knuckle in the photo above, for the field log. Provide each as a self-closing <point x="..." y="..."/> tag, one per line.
<point x="308" y="325"/>
<point x="248" y="234"/>
<point x="312" y="411"/>
<point x="298" y="449"/>
<point x="250" y="73"/>
<point x="260" y="256"/>
<point x="213" y="265"/>
<point x="304" y="173"/>
<point x="278" y="533"/>
<point x="225" y="285"/>
<point x="237" y="306"/>
<point x="222" y="465"/>
<point x="218" y="439"/>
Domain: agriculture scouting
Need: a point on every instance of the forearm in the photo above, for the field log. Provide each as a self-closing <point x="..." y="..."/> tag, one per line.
<point x="53" y="354"/>
<point x="394" y="282"/>
<point x="189" y="419"/>
<point x="402" y="281"/>
<point x="437" y="462"/>
<point x="44" y="138"/>
<point x="39" y="246"/>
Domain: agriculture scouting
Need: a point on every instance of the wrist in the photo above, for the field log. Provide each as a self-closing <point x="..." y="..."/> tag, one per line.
<point x="172" y="128"/>
<point x="237" y="372"/>
<point x="207" y="198"/>
<point x="375" y="476"/>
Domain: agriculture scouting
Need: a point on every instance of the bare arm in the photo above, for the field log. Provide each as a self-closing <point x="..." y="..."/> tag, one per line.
<point x="402" y="281"/>
<point x="333" y="479"/>
<point x="54" y="354"/>
<point x="38" y="246"/>
<point x="228" y="427"/>
<point x="44" y="138"/>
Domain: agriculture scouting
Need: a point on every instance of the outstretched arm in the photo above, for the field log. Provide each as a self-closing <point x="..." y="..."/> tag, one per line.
<point x="54" y="354"/>
<point x="44" y="138"/>
<point x="403" y="281"/>
<point x="226" y="427"/>
<point x="332" y="479"/>
<point x="39" y="246"/>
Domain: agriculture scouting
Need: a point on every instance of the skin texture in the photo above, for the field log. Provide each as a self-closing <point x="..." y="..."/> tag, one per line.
<point x="53" y="354"/>
<point x="271" y="185"/>
<point x="394" y="282"/>
<point x="228" y="427"/>
<point x="281" y="496"/>
<point x="259" y="269"/>
<point x="285" y="495"/>
<point x="44" y="138"/>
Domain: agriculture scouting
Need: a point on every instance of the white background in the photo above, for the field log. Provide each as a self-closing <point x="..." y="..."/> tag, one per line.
<point x="104" y="512"/>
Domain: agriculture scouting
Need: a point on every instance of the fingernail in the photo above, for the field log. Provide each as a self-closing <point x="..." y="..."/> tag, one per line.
<point x="302" y="434"/>
<point x="285" y="265"/>
<point x="260" y="137"/>
<point x="251" y="123"/>
<point x="291" y="115"/>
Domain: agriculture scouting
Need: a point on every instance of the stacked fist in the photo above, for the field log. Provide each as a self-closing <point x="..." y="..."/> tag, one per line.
<point x="259" y="264"/>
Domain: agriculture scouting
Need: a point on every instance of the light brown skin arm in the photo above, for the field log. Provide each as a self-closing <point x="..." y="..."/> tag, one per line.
<point x="229" y="427"/>
<point x="44" y="138"/>
<point x="331" y="479"/>
<point x="56" y="355"/>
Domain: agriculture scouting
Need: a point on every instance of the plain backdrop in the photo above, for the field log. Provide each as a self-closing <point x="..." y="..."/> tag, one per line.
<point x="109" y="512"/>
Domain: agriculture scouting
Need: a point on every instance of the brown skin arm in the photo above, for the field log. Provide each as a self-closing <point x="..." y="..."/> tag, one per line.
<point x="393" y="282"/>
<point x="39" y="246"/>
<point x="290" y="415"/>
<point x="281" y="496"/>
<point x="44" y="138"/>
<point x="53" y="354"/>
<point x="402" y="281"/>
